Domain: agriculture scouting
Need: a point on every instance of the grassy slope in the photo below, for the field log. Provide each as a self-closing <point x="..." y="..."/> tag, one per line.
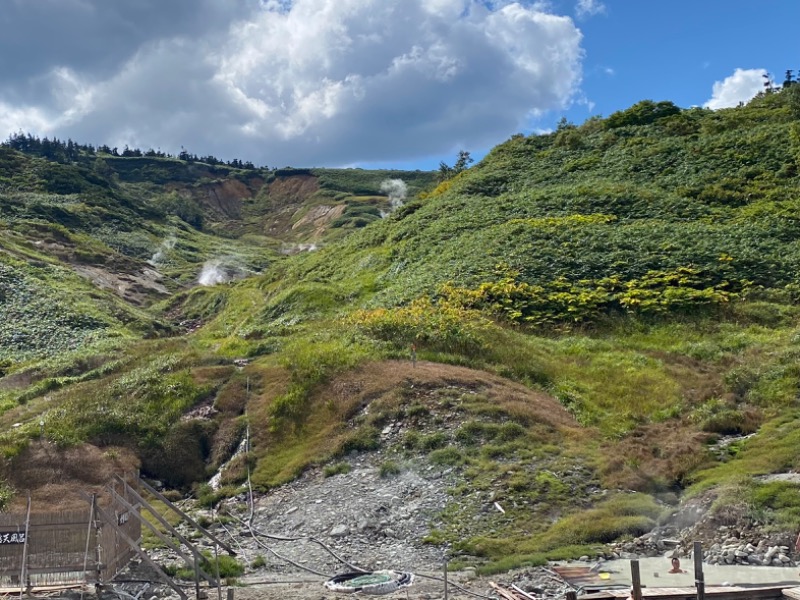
<point x="77" y="358"/>
<point x="659" y="260"/>
<point x="714" y="192"/>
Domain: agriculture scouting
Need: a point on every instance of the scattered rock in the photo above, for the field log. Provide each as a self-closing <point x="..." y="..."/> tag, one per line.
<point x="340" y="531"/>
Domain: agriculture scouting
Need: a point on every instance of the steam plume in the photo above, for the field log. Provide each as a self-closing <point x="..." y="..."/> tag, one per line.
<point x="222" y="270"/>
<point x="297" y="248"/>
<point x="213" y="273"/>
<point x="161" y="254"/>
<point x="397" y="190"/>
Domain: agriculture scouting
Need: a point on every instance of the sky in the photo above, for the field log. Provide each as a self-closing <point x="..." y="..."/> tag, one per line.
<point x="369" y="83"/>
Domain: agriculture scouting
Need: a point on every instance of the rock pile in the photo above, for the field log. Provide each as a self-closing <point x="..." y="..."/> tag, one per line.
<point x="660" y="541"/>
<point x="540" y="582"/>
<point x="735" y="552"/>
<point x="729" y="546"/>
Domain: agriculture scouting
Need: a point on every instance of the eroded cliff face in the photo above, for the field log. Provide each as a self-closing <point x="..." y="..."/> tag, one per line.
<point x="317" y="220"/>
<point x="225" y="197"/>
<point x="293" y="189"/>
<point x="291" y="208"/>
<point x="290" y="217"/>
<point x="283" y="200"/>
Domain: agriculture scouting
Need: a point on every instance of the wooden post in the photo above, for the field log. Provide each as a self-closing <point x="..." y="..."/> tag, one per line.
<point x="189" y="519"/>
<point x="699" y="578"/>
<point x="197" y="579"/>
<point x="229" y="595"/>
<point x="98" y="550"/>
<point x="250" y="503"/>
<point x="445" y="579"/>
<point x="88" y="540"/>
<point x="194" y="564"/>
<point x="636" y="588"/>
<point x="136" y="496"/>
<point x="216" y="560"/>
<point x="572" y="595"/>
<point x="134" y="545"/>
<point x="23" y="576"/>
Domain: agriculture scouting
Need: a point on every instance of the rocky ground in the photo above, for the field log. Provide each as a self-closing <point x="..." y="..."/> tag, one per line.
<point x="369" y="521"/>
<point x="317" y="526"/>
<point x="728" y="537"/>
<point x="302" y="533"/>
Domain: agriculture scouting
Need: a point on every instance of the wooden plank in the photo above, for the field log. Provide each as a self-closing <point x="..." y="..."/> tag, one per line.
<point x="112" y="522"/>
<point x="521" y="592"/>
<point x="195" y="552"/>
<point x="502" y="592"/>
<point x="4" y="591"/>
<point x="717" y="593"/>
<point x="194" y="523"/>
<point x="189" y="562"/>
<point x="46" y="570"/>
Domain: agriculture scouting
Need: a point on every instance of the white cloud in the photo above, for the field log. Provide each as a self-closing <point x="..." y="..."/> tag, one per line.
<point x="70" y="101"/>
<point x="311" y="82"/>
<point x="14" y="119"/>
<point x="736" y="88"/>
<point x="589" y="8"/>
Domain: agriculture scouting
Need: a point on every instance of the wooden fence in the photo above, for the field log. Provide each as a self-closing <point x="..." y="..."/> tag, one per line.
<point x="74" y="546"/>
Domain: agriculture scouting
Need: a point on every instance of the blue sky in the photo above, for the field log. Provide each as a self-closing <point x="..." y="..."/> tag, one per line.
<point x="675" y="50"/>
<point x="373" y="83"/>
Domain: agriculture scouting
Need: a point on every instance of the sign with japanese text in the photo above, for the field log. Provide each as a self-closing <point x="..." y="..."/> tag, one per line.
<point x="12" y="537"/>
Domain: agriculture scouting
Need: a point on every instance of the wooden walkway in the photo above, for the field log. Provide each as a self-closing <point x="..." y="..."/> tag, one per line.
<point x="712" y="593"/>
<point x="43" y="589"/>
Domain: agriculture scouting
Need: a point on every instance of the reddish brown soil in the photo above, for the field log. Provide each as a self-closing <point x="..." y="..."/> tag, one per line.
<point x="378" y="379"/>
<point x="292" y="190"/>
<point x="655" y="456"/>
<point x="55" y="477"/>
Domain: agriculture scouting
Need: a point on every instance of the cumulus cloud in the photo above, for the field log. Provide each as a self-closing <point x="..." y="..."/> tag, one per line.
<point x="294" y="82"/>
<point x="736" y="88"/>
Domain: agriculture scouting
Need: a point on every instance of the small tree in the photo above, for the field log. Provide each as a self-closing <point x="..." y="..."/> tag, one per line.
<point x="642" y="113"/>
<point x="769" y="85"/>
<point x="462" y="164"/>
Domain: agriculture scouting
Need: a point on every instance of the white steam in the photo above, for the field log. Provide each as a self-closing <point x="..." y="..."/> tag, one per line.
<point x="397" y="190"/>
<point x="213" y="273"/>
<point x="290" y="249"/>
<point x="221" y="270"/>
<point x="161" y="254"/>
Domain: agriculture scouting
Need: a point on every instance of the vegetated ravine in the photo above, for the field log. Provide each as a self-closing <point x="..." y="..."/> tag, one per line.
<point x="589" y="312"/>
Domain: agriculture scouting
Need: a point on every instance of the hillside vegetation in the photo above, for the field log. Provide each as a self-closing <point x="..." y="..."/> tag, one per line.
<point x="590" y="312"/>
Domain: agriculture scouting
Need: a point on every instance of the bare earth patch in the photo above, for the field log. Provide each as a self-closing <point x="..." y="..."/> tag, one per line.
<point x="56" y="477"/>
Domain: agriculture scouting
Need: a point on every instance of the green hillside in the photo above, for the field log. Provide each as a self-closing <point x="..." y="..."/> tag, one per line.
<point x="592" y="311"/>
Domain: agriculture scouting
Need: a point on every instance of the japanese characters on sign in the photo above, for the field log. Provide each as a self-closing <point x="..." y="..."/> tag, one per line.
<point x="12" y="537"/>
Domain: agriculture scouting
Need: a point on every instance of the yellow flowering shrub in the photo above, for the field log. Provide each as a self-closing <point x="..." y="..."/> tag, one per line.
<point x="436" y="325"/>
